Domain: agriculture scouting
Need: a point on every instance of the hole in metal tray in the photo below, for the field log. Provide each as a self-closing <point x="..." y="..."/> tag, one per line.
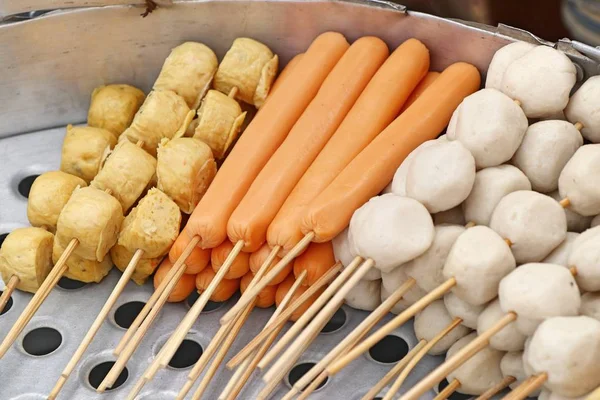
<point x="210" y="305"/>
<point x="298" y="372"/>
<point x="25" y="185"/>
<point x="42" y="341"/>
<point x="186" y="355"/>
<point x="70" y="284"/>
<point x="455" y="395"/>
<point x="2" y="237"/>
<point x="127" y="313"/>
<point x="389" y="350"/>
<point x="337" y="322"/>
<point x="8" y="306"/>
<point x="99" y="372"/>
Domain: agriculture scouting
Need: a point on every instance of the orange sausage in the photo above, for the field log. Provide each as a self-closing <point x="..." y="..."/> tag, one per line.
<point x="316" y="260"/>
<point x="424" y="84"/>
<point x="265" y="298"/>
<point x="259" y="141"/>
<point x="285" y="286"/>
<point x="259" y="257"/>
<point x="225" y="289"/>
<point x="250" y="220"/>
<point x="375" y="166"/>
<point x="183" y="288"/>
<point x="197" y="261"/>
<point x="376" y="107"/>
<point x="290" y="65"/>
<point x="240" y="265"/>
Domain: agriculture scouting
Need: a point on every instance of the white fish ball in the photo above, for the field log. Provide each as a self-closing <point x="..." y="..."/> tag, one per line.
<point x="512" y="365"/>
<point x="575" y="222"/>
<point x="399" y="182"/>
<point x="366" y="295"/>
<point x="539" y="291"/>
<point x="453" y="216"/>
<point x="585" y="256"/>
<point x="458" y="308"/>
<point x="491" y="185"/>
<point x="545" y="150"/>
<point x="508" y="338"/>
<point x="502" y="59"/>
<point x="391" y="230"/>
<point x="533" y="222"/>
<point x="391" y="281"/>
<point x="489" y="124"/>
<point x="578" y="180"/>
<point x="431" y="321"/>
<point x="478" y="260"/>
<point x="590" y="305"/>
<point x="595" y="221"/>
<point x="584" y="107"/>
<point x="541" y="80"/>
<point x="560" y="255"/>
<point x="342" y="251"/>
<point x="568" y="350"/>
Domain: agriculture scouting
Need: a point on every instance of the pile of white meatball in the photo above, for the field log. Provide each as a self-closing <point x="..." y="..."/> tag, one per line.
<point x="505" y="203"/>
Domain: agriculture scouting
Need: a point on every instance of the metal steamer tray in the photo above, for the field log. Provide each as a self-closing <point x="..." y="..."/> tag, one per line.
<point x="50" y="65"/>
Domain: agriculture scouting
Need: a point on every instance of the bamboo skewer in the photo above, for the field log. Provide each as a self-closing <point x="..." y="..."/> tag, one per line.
<point x="249" y="364"/>
<point x="528" y="386"/>
<point x="169" y="348"/>
<point x="448" y="390"/>
<point x="458" y="359"/>
<point x="112" y="299"/>
<point x="252" y="293"/>
<point x="179" y="264"/>
<point x="399" y="367"/>
<point x="38" y="298"/>
<point x="132" y="345"/>
<point x="309" y="314"/>
<point x="497" y="388"/>
<point x="282" y="318"/>
<point x="385" y="330"/>
<point x="422" y="353"/>
<point x="8" y="290"/>
<point x="317" y="373"/>
<point x="223" y="331"/>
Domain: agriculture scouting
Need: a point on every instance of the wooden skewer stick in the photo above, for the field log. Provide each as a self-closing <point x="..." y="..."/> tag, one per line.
<point x="565" y="203"/>
<point x="351" y="339"/>
<point x="239" y="379"/>
<point x="281" y="319"/>
<point x="180" y="264"/>
<point x="388" y="328"/>
<point x="448" y="390"/>
<point x="169" y="348"/>
<point x="233" y="92"/>
<point x="458" y="359"/>
<point x="250" y="294"/>
<point x="392" y="372"/>
<point x="8" y="290"/>
<point x="135" y="341"/>
<point x="38" y="298"/>
<point x="578" y="126"/>
<point x="497" y="388"/>
<point x="528" y="386"/>
<point x="422" y="353"/>
<point x="112" y="299"/>
<point x="223" y="332"/>
<point x="308" y="315"/>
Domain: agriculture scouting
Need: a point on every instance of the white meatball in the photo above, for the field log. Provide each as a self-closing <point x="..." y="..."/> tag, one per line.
<point x="391" y="230"/>
<point x="508" y="338"/>
<point x="568" y="350"/>
<point x="560" y="255"/>
<point x="584" y="256"/>
<point x="478" y="261"/>
<point x="538" y="291"/>
<point x="491" y="185"/>
<point x="548" y="395"/>
<point x="490" y="125"/>
<point x="441" y="176"/>
<point x="512" y="365"/>
<point x="595" y="221"/>
<point x="575" y="222"/>
<point x="399" y="182"/>
<point x="590" y="305"/>
<point x="541" y="80"/>
<point x="387" y="189"/>
<point x="431" y="321"/>
<point x="453" y="216"/>
<point x="584" y="108"/>
<point x="480" y="372"/>
<point x="366" y="295"/>
<point x="458" y="308"/>
<point x="545" y="150"/>
<point x="578" y="180"/>
<point x="427" y="268"/>
<point x="534" y="223"/>
<point x="342" y="250"/>
<point x="502" y="59"/>
<point x="391" y="281"/>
